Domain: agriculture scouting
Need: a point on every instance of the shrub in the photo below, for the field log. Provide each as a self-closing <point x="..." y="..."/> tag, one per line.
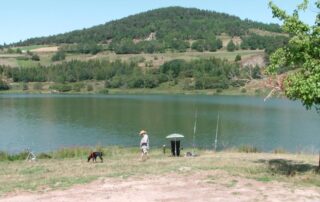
<point x="61" y="87"/>
<point x="89" y="87"/>
<point x="243" y="90"/>
<point x="219" y="90"/>
<point x="44" y="156"/>
<point x="58" y="56"/>
<point x="78" y="86"/>
<point x="35" y="57"/>
<point x="4" y="156"/>
<point x="231" y="46"/>
<point x="237" y="58"/>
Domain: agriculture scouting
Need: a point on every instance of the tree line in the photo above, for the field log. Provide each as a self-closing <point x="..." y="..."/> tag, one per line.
<point x="197" y="74"/>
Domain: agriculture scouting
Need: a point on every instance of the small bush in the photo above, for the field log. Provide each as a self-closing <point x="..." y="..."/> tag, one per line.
<point x="35" y="57"/>
<point x="4" y="156"/>
<point x="89" y="87"/>
<point x="237" y="58"/>
<point x="58" y="56"/>
<point x="78" y="86"/>
<point x="61" y="87"/>
<point x="104" y="91"/>
<point x="219" y="90"/>
<point x="44" y="156"/>
<point x="243" y="90"/>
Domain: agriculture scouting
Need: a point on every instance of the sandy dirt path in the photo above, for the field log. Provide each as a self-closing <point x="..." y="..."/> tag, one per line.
<point x="204" y="186"/>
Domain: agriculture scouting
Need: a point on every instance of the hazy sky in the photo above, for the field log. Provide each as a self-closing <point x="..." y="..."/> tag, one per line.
<point x="22" y="19"/>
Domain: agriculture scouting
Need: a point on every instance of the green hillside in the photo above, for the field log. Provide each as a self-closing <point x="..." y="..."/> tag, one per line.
<point x="158" y="30"/>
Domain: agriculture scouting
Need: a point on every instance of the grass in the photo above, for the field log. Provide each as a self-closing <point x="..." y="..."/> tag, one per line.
<point x="145" y="60"/>
<point x="158" y="59"/>
<point x="69" y="166"/>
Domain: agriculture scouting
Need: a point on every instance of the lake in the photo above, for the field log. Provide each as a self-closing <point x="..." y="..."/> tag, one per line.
<point x="49" y="122"/>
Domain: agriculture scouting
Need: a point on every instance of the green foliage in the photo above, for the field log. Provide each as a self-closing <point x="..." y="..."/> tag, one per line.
<point x="60" y="87"/>
<point x="35" y="57"/>
<point x="243" y="90"/>
<point x="58" y="56"/>
<point x="77" y="87"/>
<point x="173" y="67"/>
<point x="89" y="87"/>
<point x="19" y="51"/>
<point x="231" y="46"/>
<point x="302" y="51"/>
<point x="269" y="43"/>
<point x="210" y="44"/>
<point x="200" y="74"/>
<point x="82" y="47"/>
<point x="172" y="27"/>
<point x="256" y="72"/>
<point x="4" y="156"/>
<point x="237" y="58"/>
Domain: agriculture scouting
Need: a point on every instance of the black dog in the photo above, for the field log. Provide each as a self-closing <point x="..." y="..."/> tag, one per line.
<point x="94" y="155"/>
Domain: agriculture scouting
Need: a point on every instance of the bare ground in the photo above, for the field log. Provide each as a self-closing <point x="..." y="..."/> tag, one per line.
<point x="213" y="185"/>
<point x="45" y="49"/>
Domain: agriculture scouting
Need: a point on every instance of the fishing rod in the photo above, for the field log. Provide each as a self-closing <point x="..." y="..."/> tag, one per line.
<point x="217" y="129"/>
<point x="194" y="130"/>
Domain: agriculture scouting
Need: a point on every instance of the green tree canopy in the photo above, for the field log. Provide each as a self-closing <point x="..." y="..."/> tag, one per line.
<point x="301" y="53"/>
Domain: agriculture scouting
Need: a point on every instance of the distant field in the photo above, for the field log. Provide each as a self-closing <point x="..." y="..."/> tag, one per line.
<point x="45" y="49"/>
<point x="157" y="59"/>
<point x="145" y="60"/>
<point x="266" y="33"/>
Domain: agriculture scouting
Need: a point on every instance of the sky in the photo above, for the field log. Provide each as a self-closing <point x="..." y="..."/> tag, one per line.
<point x="23" y="19"/>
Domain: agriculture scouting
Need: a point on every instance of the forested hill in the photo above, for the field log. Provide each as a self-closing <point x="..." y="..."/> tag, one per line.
<point x="162" y="25"/>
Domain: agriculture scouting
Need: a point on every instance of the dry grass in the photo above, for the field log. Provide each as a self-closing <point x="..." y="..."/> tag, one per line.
<point x="47" y="174"/>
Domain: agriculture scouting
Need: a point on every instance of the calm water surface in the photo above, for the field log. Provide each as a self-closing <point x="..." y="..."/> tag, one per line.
<point x="48" y="122"/>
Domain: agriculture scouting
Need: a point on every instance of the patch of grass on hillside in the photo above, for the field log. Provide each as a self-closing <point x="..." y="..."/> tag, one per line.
<point x="27" y="63"/>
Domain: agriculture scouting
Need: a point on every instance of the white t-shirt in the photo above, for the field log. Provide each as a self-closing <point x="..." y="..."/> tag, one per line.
<point x="144" y="140"/>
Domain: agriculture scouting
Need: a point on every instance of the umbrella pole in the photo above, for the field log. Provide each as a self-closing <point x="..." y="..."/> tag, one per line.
<point x="175" y="146"/>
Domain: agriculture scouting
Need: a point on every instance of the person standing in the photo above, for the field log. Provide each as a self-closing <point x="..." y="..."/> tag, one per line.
<point x="144" y="144"/>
